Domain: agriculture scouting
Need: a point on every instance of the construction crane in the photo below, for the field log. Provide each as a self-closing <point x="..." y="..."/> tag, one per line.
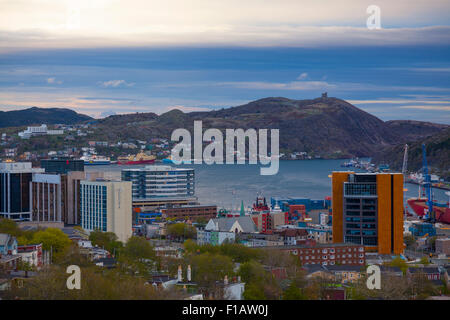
<point x="405" y="160"/>
<point x="427" y="183"/>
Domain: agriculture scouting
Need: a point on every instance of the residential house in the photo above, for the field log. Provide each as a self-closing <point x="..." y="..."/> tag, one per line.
<point x="8" y="244"/>
<point x="391" y="271"/>
<point x="108" y="263"/>
<point x="346" y="274"/>
<point x="31" y="254"/>
<point x="432" y="273"/>
<point x="291" y="236"/>
<point x="220" y="230"/>
<point x="317" y="271"/>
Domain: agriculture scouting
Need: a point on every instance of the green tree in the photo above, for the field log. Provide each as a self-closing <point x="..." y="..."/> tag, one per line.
<point x="182" y="231"/>
<point x="190" y="246"/>
<point x="106" y="240"/>
<point x="96" y="284"/>
<point x="293" y="293"/>
<point x="208" y="268"/>
<point x="253" y="292"/>
<point x="399" y="262"/>
<point x="424" y="260"/>
<point x="256" y="277"/>
<point x="53" y="240"/>
<point x="138" y="255"/>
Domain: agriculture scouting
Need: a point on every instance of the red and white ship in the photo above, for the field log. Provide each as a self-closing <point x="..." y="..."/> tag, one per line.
<point x="441" y="211"/>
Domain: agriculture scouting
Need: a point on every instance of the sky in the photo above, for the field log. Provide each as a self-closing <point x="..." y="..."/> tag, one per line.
<point x="102" y="57"/>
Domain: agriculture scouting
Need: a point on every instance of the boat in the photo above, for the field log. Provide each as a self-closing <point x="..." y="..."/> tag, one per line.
<point x="93" y="160"/>
<point x="441" y="211"/>
<point x="350" y="163"/>
<point x="140" y="158"/>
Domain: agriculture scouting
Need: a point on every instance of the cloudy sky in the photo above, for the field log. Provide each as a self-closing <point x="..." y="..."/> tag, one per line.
<point x="101" y="57"/>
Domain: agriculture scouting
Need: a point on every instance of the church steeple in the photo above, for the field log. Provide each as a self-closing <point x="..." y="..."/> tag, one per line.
<point x="242" y="209"/>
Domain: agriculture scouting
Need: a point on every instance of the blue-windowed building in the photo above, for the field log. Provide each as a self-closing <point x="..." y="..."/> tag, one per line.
<point x="106" y="206"/>
<point x="161" y="185"/>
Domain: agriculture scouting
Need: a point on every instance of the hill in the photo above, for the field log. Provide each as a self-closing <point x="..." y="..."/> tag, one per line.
<point x="327" y="127"/>
<point x="37" y="116"/>
<point x="438" y="154"/>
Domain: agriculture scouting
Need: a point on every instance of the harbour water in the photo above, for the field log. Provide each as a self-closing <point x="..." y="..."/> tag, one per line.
<point x="226" y="185"/>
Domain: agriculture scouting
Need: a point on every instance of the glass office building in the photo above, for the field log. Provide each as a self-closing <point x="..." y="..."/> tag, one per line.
<point x="15" y="190"/>
<point x="368" y="210"/>
<point x="160" y="182"/>
<point x="62" y="166"/>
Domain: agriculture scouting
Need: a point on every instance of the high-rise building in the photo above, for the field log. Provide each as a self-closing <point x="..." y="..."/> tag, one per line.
<point x="368" y="210"/>
<point x="161" y="185"/>
<point x="72" y="213"/>
<point x="48" y="197"/>
<point x="15" y="190"/>
<point x="106" y="206"/>
<point x="62" y="166"/>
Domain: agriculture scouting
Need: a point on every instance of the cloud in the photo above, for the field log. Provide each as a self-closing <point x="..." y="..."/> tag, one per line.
<point x="293" y="85"/>
<point x="303" y="76"/>
<point x="53" y="81"/>
<point x="116" y="83"/>
<point x="398" y="101"/>
<point x="442" y="108"/>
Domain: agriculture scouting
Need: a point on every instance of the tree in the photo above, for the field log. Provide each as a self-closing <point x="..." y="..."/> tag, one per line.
<point x="424" y="260"/>
<point x="253" y="292"/>
<point x="208" y="268"/>
<point x="293" y="293"/>
<point x="9" y="226"/>
<point x="106" y="240"/>
<point x="190" y="246"/>
<point x="255" y="276"/>
<point x="182" y="231"/>
<point x="53" y="240"/>
<point x="409" y="240"/>
<point x="96" y="284"/>
<point x="138" y="255"/>
<point x="399" y="262"/>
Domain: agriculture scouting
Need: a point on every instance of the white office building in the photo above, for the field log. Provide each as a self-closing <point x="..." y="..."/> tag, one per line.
<point x="107" y="206"/>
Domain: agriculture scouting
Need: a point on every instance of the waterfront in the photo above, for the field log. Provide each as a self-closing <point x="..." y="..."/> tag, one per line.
<point x="227" y="185"/>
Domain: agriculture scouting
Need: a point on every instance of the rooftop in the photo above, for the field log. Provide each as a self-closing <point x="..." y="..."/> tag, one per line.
<point x="159" y="168"/>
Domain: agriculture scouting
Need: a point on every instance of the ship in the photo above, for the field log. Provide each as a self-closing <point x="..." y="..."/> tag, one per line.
<point x="169" y="160"/>
<point x="441" y="211"/>
<point x="140" y="158"/>
<point x="93" y="160"/>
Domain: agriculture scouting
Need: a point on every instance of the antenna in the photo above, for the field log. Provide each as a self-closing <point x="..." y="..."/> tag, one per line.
<point x="405" y="160"/>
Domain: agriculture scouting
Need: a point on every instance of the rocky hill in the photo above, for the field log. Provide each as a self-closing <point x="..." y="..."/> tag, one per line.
<point x="327" y="127"/>
<point x="38" y="116"/>
<point x="438" y="154"/>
